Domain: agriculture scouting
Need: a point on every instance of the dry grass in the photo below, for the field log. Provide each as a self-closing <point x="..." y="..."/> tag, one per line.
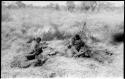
<point x="6" y="16"/>
<point x="56" y="26"/>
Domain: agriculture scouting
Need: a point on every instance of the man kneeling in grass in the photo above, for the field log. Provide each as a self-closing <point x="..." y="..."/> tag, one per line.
<point x="33" y="58"/>
<point x="80" y="49"/>
<point x="35" y="55"/>
<point x="76" y="45"/>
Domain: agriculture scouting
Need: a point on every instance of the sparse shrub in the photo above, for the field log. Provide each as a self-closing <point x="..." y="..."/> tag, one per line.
<point x="87" y="5"/>
<point x="20" y="4"/>
<point x="24" y="31"/>
<point x="3" y="5"/>
<point x="57" y="7"/>
<point x="47" y="36"/>
<point x="84" y="32"/>
<point x="51" y="6"/>
<point x="28" y="25"/>
<point x="56" y="35"/>
<point x="104" y="6"/>
<point x="117" y="38"/>
<point x="70" y="6"/>
<point x="50" y="36"/>
<point x="6" y="16"/>
<point x="30" y="6"/>
<point x="52" y="75"/>
<point x="12" y="6"/>
<point x="67" y="36"/>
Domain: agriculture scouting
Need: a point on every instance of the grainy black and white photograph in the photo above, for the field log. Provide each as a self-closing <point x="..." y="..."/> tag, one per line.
<point x="62" y="39"/>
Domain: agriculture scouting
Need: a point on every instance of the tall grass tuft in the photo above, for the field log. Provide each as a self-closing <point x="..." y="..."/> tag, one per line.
<point x="6" y="16"/>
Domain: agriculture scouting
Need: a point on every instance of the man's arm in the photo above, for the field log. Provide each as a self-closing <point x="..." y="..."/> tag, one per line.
<point x="75" y="51"/>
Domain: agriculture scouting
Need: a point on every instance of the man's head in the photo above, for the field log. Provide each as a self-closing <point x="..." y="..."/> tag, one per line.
<point x="77" y="37"/>
<point x="69" y="46"/>
<point x="38" y="39"/>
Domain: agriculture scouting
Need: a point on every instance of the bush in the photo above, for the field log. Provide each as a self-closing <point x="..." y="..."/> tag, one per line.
<point x="87" y="5"/>
<point x="70" y="6"/>
<point x="3" y="5"/>
<point x="12" y="6"/>
<point x="56" y="35"/>
<point x="84" y="32"/>
<point x="50" y="36"/>
<point x="20" y="4"/>
<point x="104" y="6"/>
<point x="51" y="6"/>
<point x="57" y="7"/>
<point x="47" y="36"/>
<point x="117" y="38"/>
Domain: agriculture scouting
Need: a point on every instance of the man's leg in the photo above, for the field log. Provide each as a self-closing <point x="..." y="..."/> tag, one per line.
<point x="30" y="56"/>
<point x="32" y="62"/>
